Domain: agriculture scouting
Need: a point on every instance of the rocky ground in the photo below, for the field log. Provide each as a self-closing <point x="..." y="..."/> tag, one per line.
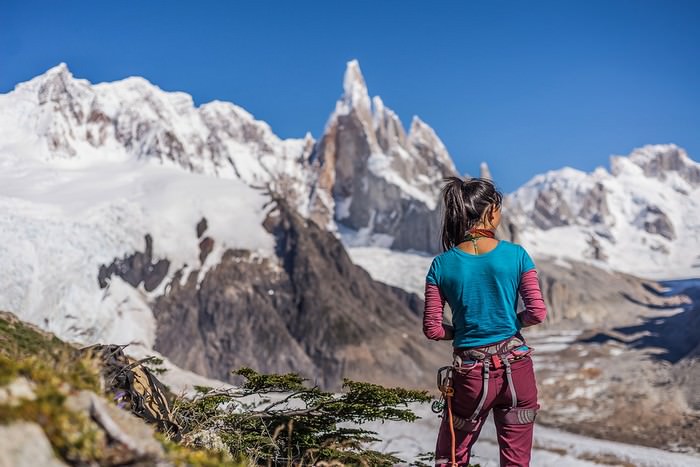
<point x="630" y="378"/>
<point x="552" y="447"/>
<point x="611" y="391"/>
<point x="604" y="402"/>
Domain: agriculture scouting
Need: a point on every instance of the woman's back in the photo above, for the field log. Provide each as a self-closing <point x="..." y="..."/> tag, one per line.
<point x="482" y="291"/>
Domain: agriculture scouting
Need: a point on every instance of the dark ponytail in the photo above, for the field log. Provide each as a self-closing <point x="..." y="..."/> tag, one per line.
<point x="464" y="204"/>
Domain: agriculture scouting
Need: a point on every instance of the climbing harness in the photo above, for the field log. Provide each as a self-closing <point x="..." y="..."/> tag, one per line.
<point x="494" y="356"/>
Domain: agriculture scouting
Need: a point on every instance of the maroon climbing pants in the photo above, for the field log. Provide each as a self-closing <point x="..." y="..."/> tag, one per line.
<point x="514" y="439"/>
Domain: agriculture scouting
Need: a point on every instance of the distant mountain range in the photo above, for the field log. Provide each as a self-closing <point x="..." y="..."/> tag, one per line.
<point x="131" y="214"/>
<point x="641" y="217"/>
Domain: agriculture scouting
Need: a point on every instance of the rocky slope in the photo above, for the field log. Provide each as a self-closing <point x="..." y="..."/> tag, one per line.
<point x="310" y="311"/>
<point x="633" y="382"/>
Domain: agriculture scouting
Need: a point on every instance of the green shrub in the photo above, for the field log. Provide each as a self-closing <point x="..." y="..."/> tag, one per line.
<point x="303" y="425"/>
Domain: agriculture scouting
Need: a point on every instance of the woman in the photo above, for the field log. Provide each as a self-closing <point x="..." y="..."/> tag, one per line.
<point x="480" y="277"/>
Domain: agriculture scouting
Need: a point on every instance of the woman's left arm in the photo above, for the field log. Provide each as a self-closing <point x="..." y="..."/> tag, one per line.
<point x="433" y="328"/>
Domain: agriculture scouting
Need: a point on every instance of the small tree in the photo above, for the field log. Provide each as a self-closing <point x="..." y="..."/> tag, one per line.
<point x="303" y="426"/>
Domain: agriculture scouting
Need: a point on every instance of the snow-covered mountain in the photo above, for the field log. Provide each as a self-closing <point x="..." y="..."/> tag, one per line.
<point x="102" y="186"/>
<point x="136" y="118"/>
<point x="642" y="216"/>
<point x="365" y="173"/>
<point x="131" y="214"/>
<point x="57" y="116"/>
<point x="89" y="170"/>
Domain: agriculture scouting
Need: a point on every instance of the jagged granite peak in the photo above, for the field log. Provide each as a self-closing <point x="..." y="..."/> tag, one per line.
<point x="355" y="100"/>
<point x="428" y="144"/>
<point x="355" y="94"/>
<point x="377" y="183"/>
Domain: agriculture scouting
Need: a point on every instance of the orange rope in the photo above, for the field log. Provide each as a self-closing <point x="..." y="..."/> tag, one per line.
<point x="452" y="428"/>
<point x="445" y="387"/>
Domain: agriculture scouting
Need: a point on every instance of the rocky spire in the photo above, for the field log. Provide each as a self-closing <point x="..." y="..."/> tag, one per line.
<point x="484" y="171"/>
<point x="374" y="178"/>
<point x="355" y="94"/>
<point x="355" y="101"/>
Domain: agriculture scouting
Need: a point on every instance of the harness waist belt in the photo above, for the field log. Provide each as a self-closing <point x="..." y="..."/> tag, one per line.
<point x="482" y="353"/>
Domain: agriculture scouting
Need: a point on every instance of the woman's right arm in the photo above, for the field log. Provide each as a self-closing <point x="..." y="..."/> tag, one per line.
<point x="432" y="315"/>
<point x="535" y="309"/>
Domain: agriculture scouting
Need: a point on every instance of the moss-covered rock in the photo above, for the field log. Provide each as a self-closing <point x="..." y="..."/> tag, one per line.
<point x="47" y="383"/>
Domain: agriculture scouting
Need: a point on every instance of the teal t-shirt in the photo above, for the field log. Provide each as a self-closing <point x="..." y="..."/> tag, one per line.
<point x="482" y="291"/>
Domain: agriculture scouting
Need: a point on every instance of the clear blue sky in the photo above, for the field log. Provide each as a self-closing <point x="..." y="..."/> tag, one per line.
<point x="527" y="86"/>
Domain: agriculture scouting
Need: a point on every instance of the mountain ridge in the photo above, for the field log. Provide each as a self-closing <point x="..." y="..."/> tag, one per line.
<point x="146" y="167"/>
<point x="640" y="217"/>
